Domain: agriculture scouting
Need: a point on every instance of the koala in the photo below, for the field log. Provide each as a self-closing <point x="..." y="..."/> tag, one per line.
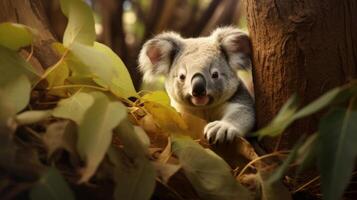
<point x="201" y="78"/>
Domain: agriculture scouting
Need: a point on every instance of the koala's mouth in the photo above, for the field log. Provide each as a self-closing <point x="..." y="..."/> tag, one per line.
<point x="200" y="100"/>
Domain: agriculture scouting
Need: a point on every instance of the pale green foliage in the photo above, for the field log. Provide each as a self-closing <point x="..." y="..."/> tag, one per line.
<point x="209" y="174"/>
<point x="134" y="174"/>
<point x="15" y="36"/>
<point x="121" y="84"/>
<point x="31" y="117"/>
<point x="80" y="27"/>
<point x="74" y="107"/>
<point x="13" y="80"/>
<point x="95" y="131"/>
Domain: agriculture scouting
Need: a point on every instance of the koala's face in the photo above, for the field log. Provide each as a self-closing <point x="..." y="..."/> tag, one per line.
<point x="200" y="72"/>
<point x="200" y="76"/>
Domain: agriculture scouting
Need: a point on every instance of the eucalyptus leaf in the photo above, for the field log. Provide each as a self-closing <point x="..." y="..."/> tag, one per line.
<point x="14" y="82"/>
<point x="158" y="97"/>
<point x="121" y="84"/>
<point x="289" y="113"/>
<point x="60" y="135"/>
<point x="318" y="104"/>
<point x="57" y="77"/>
<point x="51" y="186"/>
<point x="74" y="107"/>
<point x="337" y="151"/>
<point x="134" y="175"/>
<point x="32" y="116"/>
<point x="133" y="179"/>
<point x="104" y="66"/>
<point x="283" y="119"/>
<point x="15" y="36"/>
<point x="166" y="117"/>
<point x="95" y="131"/>
<point x="80" y="27"/>
<point x="209" y="174"/>
<point x="7" y="110"/>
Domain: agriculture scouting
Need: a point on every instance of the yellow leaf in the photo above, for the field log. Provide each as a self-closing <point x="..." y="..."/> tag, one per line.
<point x="158" y="97"/>
<point x="57" y="77"/>
<point x="166" y="117"/>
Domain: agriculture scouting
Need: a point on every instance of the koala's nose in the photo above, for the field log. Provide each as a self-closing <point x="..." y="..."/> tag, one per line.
<point x="198" y="85"/>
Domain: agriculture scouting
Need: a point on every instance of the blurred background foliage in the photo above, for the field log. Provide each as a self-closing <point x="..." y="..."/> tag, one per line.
<point x="124" y="25"/>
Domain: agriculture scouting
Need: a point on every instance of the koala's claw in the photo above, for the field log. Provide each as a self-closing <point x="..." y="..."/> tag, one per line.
<point x="220" y="131"/>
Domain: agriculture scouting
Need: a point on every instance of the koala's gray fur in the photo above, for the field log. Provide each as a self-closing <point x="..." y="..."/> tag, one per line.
<point x="201" y="78"/>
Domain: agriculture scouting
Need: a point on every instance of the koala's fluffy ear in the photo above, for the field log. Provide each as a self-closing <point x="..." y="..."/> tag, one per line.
<point x="157" y="54"/>
<point x="236" y="46"/>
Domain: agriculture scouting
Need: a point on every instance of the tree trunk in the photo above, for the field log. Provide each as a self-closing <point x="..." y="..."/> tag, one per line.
<point x="307" y="47"/>
<point x="32" y="14"/>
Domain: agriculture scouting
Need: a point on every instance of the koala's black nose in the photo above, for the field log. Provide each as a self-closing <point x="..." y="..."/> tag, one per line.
<point x="198" y="85"/>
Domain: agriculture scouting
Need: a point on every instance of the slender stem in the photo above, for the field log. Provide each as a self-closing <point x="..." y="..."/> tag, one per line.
<point x="78" y="86"/>
<point x="30" y="55"/>
<point x="51" y="69"/>
<point x="306" y="184"/>
<point x="277" y="153"/>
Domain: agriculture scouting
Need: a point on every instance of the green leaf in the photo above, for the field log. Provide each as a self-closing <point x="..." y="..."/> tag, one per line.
<point x="51" y="186"/>
<point x="134" y="175"/>
<point x="318" y="104"/>
<point x="121" y="84"/>
<point x="14" y="82"/>
<point x="101" y="68"/>
<point x="80" y="27"/>
<point x="105" y="68"/>
<point x="32" y="116"/>
<point x="95" y="131"/>
<point x="281" y="121"/>
<point x="133" y="179"/>
<point x="74" y="107"/>
<point x="337" y="151"/>
<point x="14" y="36"/>
<point x="288" y="114"/>
<point x="209" y="174"/>
<point x="7" y="110"/>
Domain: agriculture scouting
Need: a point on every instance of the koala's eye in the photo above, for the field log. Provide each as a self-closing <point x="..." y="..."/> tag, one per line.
<point x="215" y="75"/>
<point x="182" y="77"/>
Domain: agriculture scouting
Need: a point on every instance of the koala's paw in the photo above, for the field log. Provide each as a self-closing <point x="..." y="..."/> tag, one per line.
<point x="220" y="131"/>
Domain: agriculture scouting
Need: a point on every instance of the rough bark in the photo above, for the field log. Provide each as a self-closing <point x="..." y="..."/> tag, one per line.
<point x="307" y="47"/>
<point x="32" y="14"/>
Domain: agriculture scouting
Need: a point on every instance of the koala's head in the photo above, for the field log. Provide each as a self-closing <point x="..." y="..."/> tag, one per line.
<point x="200" y="72"/>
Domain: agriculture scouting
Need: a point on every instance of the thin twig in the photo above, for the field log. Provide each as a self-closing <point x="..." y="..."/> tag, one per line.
<point x="306" y="184"/>
<point x="277" y="153"/>
<point x="78" y="86"/>
<point x="51" y="69"/>
<point x="30" y="55"/>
